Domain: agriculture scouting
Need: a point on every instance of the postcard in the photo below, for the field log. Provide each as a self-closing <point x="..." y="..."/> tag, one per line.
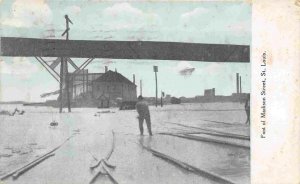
<point x="146" y="92"/>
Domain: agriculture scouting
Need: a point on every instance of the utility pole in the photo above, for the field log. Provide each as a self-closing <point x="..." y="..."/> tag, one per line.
<point x="237" y="83"/>
<point x="155" y="68"/>
<point x="64" y="71"/>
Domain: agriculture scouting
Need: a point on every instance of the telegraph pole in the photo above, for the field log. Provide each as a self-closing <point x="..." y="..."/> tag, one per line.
<point x="64" y="71"/>
<point x="155" y="68"/>
<point x="237" y="83"/>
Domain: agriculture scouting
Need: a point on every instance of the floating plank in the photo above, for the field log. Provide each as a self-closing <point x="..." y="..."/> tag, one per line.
<point x="30" y="47"/>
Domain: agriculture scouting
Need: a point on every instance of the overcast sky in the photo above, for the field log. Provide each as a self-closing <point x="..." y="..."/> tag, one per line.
<point x="206" y="22"/>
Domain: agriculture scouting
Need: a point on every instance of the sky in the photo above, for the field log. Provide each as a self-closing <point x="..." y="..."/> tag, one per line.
<point x="23" y="78"/>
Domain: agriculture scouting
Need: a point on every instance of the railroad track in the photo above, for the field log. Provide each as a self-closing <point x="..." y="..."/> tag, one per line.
<point x="205" y="139"/>
<point x="212" y="131"/>
<point x="23" y="169"/>
<point x="187" y="132"/>
<point x="103" y="165"/>
<point x="187" y="167"/>
<point x="222" y="122"/>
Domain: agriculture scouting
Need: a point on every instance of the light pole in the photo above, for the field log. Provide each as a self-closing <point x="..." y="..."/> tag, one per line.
<point x="155" y="68"/>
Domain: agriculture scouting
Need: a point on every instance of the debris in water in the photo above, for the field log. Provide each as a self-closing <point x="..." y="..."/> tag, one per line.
<point x="39" y="148"/>
<point x="8" y="148"/>
<point x="33" y="144"/>
<point x="54" y="123"/>
<point x="108" y="111"/>
<point x="5" y="113"/>
<point x="97" y="114"/>
<point x="5" y="155"/>
<point x="15" y="150"/>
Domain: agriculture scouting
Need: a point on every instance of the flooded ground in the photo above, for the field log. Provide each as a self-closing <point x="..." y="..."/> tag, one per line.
<point x="24" y="138"/>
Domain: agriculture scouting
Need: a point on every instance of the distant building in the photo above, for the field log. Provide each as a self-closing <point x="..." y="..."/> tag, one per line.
<point x="209" y="92"/>
<point x="111" y="88"/>
<point x="240" y="96"/>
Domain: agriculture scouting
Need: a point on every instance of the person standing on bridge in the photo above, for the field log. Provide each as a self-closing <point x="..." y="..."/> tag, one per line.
<point x="144" y="114"/>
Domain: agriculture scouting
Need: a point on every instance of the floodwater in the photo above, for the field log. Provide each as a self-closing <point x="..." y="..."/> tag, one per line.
<point x="24" y="138"/>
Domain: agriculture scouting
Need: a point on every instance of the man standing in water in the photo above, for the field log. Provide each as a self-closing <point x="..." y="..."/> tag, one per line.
<point x="247" y="109"/>
<point x="143" y="111"/>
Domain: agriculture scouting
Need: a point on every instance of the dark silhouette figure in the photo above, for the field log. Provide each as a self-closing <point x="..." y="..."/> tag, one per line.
<point x="144" y="114"/>
<point x="247" y="109"/>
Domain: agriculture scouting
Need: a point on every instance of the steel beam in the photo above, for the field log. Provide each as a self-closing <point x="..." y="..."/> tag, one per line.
<point x="52" y="69"/>
<point x="55" y="77"/>
<point x="30" y="47"/>
<point x="72" y="63"/>
<point x="55" y="63"/>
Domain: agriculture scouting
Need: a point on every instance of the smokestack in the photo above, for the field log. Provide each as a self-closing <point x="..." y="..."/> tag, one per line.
<point x="116" y="70"/>
<point x="106" y="69"/>
<point x="240" y="84"/>
<point x="133" y="79"/>
<point x="237" y="83"/>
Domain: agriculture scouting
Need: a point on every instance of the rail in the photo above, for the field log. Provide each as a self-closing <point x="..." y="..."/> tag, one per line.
<point x="188" y="167"/>
<point x="18" y="172"/>
<point x="204" y="139"/>
<point x="104" y="165"/>
<point x="212" y="131"/>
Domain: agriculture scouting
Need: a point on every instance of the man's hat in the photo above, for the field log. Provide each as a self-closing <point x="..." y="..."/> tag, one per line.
<point x="140" y="97"/>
